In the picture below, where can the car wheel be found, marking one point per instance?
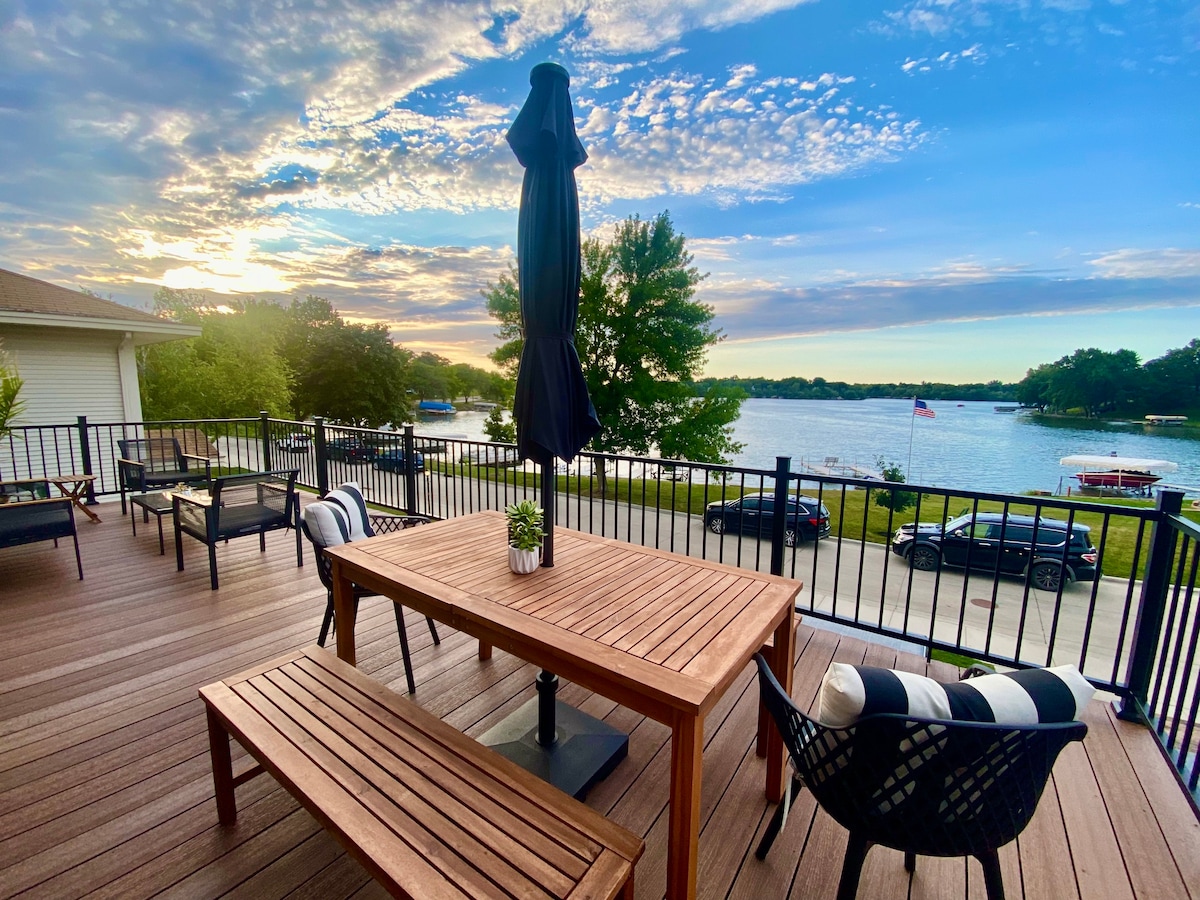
(1047, 576)
(716, 525)
(924, 558)
(789, 537)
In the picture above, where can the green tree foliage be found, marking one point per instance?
(233, 369)
(431, 377)
(504, 305)
(1034, 389)
(1173, 380)
(10, 390)
(641, 338)
(1095, 380)
(499, 428)
(897, 501)
(304, 360)
(353, 375)
(796, 388)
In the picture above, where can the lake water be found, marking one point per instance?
(967, 445)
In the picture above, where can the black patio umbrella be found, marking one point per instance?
(555, 417)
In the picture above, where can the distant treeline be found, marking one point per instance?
(820, 389)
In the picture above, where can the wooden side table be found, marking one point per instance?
(73, 486)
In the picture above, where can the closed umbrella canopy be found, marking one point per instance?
(554, 414)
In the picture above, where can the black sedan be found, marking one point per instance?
(351, 450)
(807, 517)
(393, 461)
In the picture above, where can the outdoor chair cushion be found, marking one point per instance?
(349, 497)
(1024, 697)
(327, 523)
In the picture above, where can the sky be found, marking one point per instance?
(941, 190)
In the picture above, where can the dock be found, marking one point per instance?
(833, 467)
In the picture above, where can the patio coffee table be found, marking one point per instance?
(662, 634)
(157, 502)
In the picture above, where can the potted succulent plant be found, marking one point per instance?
(525, 535)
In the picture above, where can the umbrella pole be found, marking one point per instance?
(547, 682)
(549, 502)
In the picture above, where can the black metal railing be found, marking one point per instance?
(1134, 631)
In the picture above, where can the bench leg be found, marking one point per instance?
(222, 766)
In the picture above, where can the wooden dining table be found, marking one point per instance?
(657, 632)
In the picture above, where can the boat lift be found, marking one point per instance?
(1122, 474)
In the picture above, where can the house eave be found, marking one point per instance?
(143, 332)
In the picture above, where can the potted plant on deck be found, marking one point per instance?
(525, 535)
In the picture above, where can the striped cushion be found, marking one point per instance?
(349, 497)
(1025, 697)
(327, 523)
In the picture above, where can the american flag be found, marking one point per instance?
(921, 409)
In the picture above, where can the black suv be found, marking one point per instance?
(807, 519)
(995, 542)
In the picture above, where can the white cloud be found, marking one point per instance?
(1168, 263)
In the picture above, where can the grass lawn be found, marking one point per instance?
(850, 511)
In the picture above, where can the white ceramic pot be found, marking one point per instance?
(523, 561)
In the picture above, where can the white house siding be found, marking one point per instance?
(66, 374)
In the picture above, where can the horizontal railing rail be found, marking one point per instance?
(1133, 630)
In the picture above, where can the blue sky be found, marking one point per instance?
(949, 190)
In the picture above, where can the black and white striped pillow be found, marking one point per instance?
(1025, 697)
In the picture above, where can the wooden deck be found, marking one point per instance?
(105, 786)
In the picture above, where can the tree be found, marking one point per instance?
(353, 375)
(896, 501)
(430, 377)
(10, 389)
(642, 339)
(1095, 380)
(1173, 380)
(233, 369)
(499, 429)
(1034, 389)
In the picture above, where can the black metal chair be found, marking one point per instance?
(239, 505)
(155, 464)
(380, 524)
(929, 787)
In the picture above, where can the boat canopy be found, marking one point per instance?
(435, 406)
(1119, 463)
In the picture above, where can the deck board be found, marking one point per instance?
(105, 788)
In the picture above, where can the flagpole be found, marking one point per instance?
(912, 424)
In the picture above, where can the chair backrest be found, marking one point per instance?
(257, 500)
(930, 786)
(348, 497)
(341, 517)
(159, 454)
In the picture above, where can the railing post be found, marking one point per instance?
(265, 418)
(1151, 607)
(322, 459)
(410, 472)
(85, 456)
(783, 466)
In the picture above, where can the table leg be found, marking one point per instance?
(76, 495)
(683, 833)
(344, 612)
(783, 664)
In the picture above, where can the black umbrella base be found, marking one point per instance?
(586, 752)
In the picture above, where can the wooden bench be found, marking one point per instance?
(428, 811)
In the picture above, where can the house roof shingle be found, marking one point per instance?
(30, 301)
(20, 293)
